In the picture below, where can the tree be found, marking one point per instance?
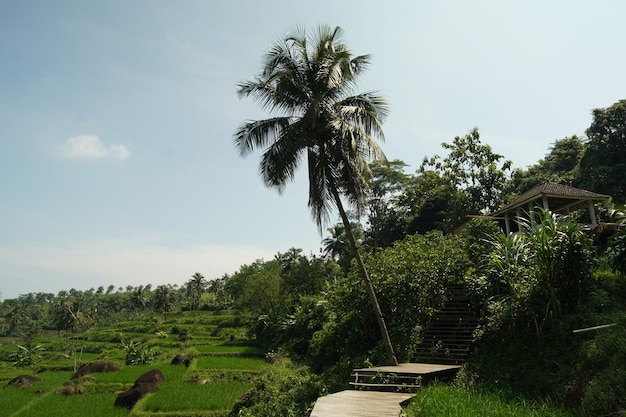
(431, 202)
(603, 164)
(337, 246)
(139, 298)
(386, 217)
(195, 287)
(559, 166)
(309, 87)
(15, 317)
(474, 169)
(163, 300)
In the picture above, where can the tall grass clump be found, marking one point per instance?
(451, 401)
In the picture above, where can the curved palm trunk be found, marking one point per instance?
(366, 279)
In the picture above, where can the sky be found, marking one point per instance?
(117, 164)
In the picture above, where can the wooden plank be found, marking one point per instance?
(386, 386)
(409, 368)
(360, 404)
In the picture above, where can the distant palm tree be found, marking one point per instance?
(14, 318)
(310, 87)
(196, 286)
(139, 298)
(163, 301)
(335, 246)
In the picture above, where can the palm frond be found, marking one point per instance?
(281, 159)
(260, 133)
(320, 198)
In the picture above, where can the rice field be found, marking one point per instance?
(221, 371)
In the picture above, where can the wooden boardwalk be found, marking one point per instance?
(357, 403)
(354, 403)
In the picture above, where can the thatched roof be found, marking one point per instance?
(560, 198)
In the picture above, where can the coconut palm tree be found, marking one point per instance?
(309, 87)
(195, 287)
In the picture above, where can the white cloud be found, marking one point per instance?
(91, 147)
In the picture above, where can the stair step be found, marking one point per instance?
(449, 336)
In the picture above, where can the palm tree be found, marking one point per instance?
(196, 286)
(309, 87)
(163, 301)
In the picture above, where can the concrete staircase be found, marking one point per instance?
(448, 338)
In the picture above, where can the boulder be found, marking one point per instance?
(181, 359)
(67, 390)
(146, 383)
(128, 399)
(23, 381)
(94, 367)
(153, 376)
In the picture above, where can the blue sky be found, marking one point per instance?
(116, 119)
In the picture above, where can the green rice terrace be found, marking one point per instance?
(216, 366)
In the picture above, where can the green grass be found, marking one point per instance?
(218, 395)
(57, 405)
(449, 401)
(232, 363)
(21, 401)
(239, 349)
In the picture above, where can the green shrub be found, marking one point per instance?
(283, 390)
(137, 353)
(599, 378)
(616, 253)
(532, 279)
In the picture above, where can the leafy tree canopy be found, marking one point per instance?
(603, 164)
(559, 166)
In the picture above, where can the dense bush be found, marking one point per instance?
(598, 380)
(531, 279)
(284, 390)
(410, 279)
(537, 287)
(616, 252)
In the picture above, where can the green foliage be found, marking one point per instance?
(137, 353)
(536, 276)
(27, 355)
(478, 235)
(559, 166)
(616, 253)
(603, 164)
(475, 170)
(410, 278)
(600, 375)
(194, 288)
(256, 287)
(431, 202)
(283, 390)
(387, 184)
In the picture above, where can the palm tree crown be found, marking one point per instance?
(309, 88)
